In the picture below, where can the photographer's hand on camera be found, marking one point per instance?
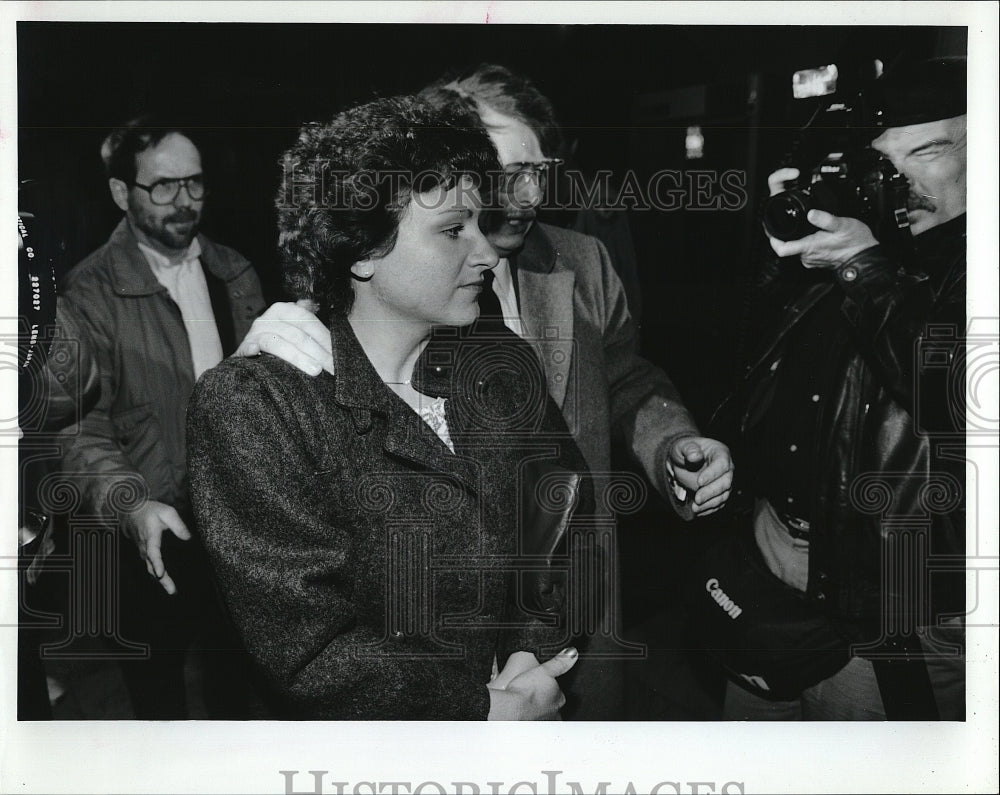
(838, 240)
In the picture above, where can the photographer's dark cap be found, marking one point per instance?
(917, 93)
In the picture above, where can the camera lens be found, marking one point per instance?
(785, 215)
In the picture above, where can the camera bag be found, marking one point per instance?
(769, 638)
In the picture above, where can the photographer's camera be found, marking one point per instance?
(839, 172)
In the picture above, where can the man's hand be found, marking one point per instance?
(146, 527)
(837, 240)
(293, 333)
(705, 468)
(525, 690)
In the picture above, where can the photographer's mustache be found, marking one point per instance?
(920, 201)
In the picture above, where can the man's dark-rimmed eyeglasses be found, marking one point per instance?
(537, 171)
(524, 183)
(165, 191)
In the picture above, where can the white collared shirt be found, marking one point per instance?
(185, 281)
(503, 286)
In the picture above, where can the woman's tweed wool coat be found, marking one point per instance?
(367, 567)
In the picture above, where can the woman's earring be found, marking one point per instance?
(363, 271)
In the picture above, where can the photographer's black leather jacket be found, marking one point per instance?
(887, 503)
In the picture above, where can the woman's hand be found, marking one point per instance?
(527, 690)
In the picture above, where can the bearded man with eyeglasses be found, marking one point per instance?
(162, 304)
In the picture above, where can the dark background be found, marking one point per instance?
(625, 95)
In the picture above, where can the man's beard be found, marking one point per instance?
(158, 228)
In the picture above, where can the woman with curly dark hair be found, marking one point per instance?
(363, 526)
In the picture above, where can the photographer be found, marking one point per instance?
(842, 435)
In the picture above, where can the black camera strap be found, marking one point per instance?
(896, 237)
